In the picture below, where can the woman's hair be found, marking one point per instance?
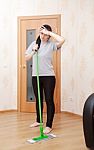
(47, 27)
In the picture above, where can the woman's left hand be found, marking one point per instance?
(44, 30)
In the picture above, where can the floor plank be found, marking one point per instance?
(14, 131)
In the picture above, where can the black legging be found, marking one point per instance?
(47, 83)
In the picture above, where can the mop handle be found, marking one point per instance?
(39, 101)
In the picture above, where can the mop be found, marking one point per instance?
(42, 135)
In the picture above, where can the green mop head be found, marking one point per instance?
(41, 138)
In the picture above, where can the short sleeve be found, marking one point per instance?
(29, 49)
(54, 46)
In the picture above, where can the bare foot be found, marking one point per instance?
(47, 130)
(35, 124)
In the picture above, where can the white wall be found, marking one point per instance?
(77, 53)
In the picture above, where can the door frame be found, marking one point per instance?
(19, 67)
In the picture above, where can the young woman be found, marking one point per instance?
(46, 72)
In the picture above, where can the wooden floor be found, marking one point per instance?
(14, 131)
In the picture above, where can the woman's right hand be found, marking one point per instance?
(35, 47)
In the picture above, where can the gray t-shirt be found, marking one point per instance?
(45, 56)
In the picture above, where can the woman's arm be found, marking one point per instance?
(28, 56)
(58, 38)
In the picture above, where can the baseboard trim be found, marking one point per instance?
(11, 110)
(70, 113)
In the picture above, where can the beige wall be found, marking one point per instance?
(77, 52)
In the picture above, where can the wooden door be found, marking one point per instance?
(28, 32)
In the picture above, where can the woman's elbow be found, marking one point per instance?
(59, 45)
(27, 57)
(63, 40)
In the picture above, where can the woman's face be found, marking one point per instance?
(44, 37)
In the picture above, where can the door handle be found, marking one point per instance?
(24, 66)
